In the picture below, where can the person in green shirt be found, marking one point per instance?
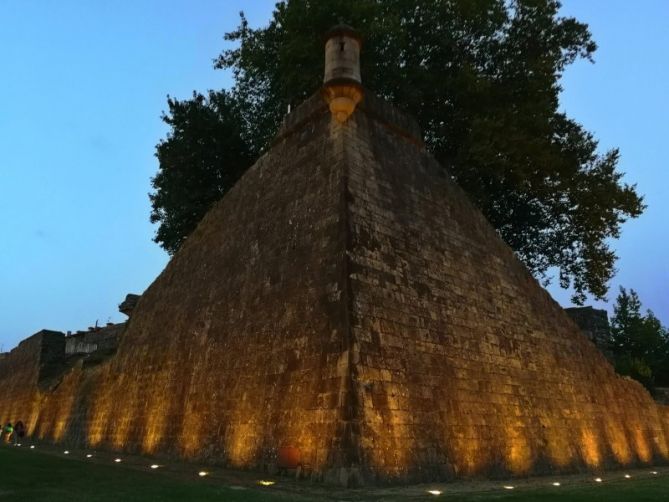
(9, 430)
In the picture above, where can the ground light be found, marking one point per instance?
(556, 484)
(88, 455)
(266, 483)
(434, 492)
(154, 466)
(32, 446)
(509, 487)
(66, 452)
(117, 460)
(653, 472)
(598, 480)
(627, 476)
(202, 473)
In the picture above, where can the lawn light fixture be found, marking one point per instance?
(264, 482)
(653, 472)
(556, 484)
(202, 473)
(88, 455)
(66, 452)
(509, 487)
(598, 480)
(117, 460)
(627, 476)
(154, 466)
(434, 492)
(32, 446)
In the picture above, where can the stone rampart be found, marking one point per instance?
(345, 300)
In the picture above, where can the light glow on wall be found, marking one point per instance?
(35, 409)
(641, 444)
(100, 410)
(617, 441)
(242, 444)
(519, 454)
(66, 392)
(590, 447)
(660, 442)
(155, 417)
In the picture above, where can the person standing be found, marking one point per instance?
(19, 431)
(9, 430)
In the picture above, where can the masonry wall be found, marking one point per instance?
(240, 345)
(466, 365)
(346, 299)
(24, 372)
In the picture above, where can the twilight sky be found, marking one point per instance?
(82, 89)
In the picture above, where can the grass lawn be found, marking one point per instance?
(31, 475)
(631, 491)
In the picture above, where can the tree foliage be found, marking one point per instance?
(640, 344)
(203, 156)
(483, 79)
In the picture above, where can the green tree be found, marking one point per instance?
(483, 79)
(640, 344)
(203, 156)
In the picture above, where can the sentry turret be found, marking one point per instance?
(342, 86)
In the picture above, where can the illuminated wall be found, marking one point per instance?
(346, 299)
(467, 366)
(238, 348)
(36, 359)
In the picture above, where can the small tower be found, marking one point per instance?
(342, 88)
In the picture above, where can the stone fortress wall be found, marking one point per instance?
(47, 355)
(346, 299)
(466, 365)
(33, 371)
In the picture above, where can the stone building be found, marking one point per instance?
(47, 355)
(346, 302)
(594, 324)
(104, 339)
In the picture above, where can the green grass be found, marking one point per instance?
(629, 491)
(33, 476)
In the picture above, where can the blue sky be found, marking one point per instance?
(82, 89)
